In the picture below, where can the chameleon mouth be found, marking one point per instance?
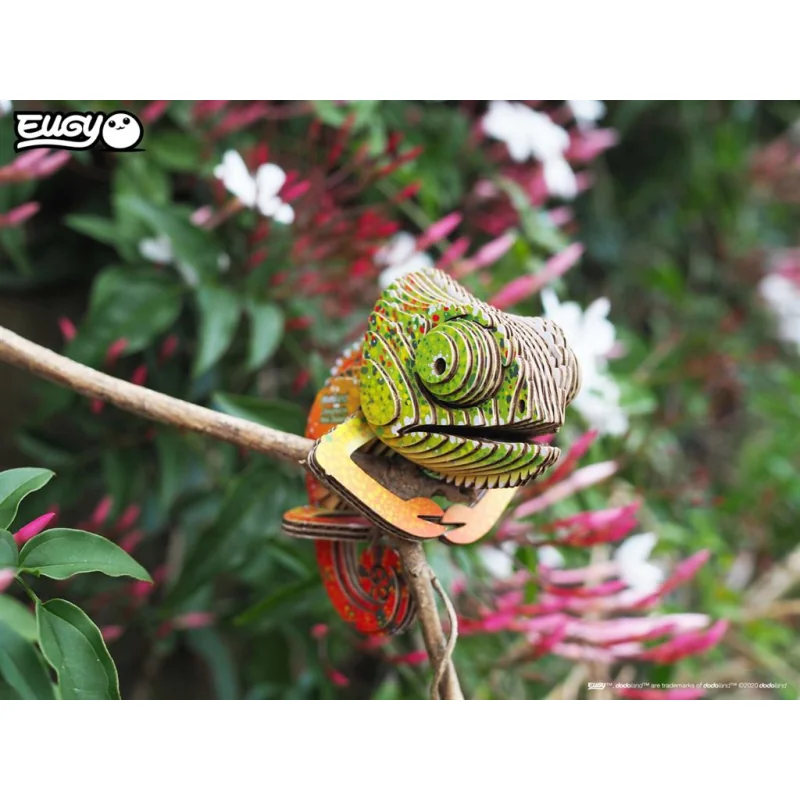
(488, 433)
(508, 459)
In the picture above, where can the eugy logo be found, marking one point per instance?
(594, 686)
(118, 131)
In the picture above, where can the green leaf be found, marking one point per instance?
(329, 112)
(536, 224)
(8, 551)
(140, 177)
(74, 648)
(175, 150)
(126, 303)
(39, 447)
(213, 649)
(16, 616)
(21, 666)
(219, 310)
(16, 484)
(280, 414)
(207, 557)
(173, 454)
(266, 330)
(193, 247)
(62, 552)
(281, 597)
(100, 228)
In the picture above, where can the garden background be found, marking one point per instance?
(231, 259)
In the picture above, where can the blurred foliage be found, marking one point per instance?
(247, 315)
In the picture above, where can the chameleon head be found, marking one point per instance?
(461, 388)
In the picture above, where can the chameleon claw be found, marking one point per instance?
(437, 519)
(470, 523)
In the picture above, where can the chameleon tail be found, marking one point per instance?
(368, 591)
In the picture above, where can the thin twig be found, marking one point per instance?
(452, 637)
(176, 413)
(774, 584)
(420, 580)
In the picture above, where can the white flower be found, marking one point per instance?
(550, 557)
(631, 558)
(499, 560)
(591, 336)
(782, 295)
(259, 191)
(399, 257)
(5, 107)
(586, 112)
(531, 134)
(159, 250)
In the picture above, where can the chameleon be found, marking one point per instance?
(451, 384)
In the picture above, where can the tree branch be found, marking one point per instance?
(176, 413)
(422, 581)
(146, 403)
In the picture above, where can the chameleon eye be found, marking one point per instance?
(459, 363)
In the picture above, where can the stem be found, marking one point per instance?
(421, 579)
(28, 590)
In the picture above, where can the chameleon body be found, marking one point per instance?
(451, 384)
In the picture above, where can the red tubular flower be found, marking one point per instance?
(683, 573)
(338, 679)
(129, 517)
(408, 191)
(111, 633)
(439, 230)
(295, 190)
(686, 644)
(587, 145)
(319, 631)
(101, 511)
(567, 464)
(7, 576)
(414, 658)
(528, 285)
(549, 641)
(404, 158)
(239, 118)
(18, 215)
(454, 252)
(581, 479)
(205, 108)
(32, 165)
(139, 590)
(155, 110)
(131, 540)
(488, 254)
(67, 328)
(32, 528)
(115, 350)
(192, 620)
(596, 527)
(139, 375)
(168, 348)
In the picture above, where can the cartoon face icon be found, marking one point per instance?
(122, 131)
